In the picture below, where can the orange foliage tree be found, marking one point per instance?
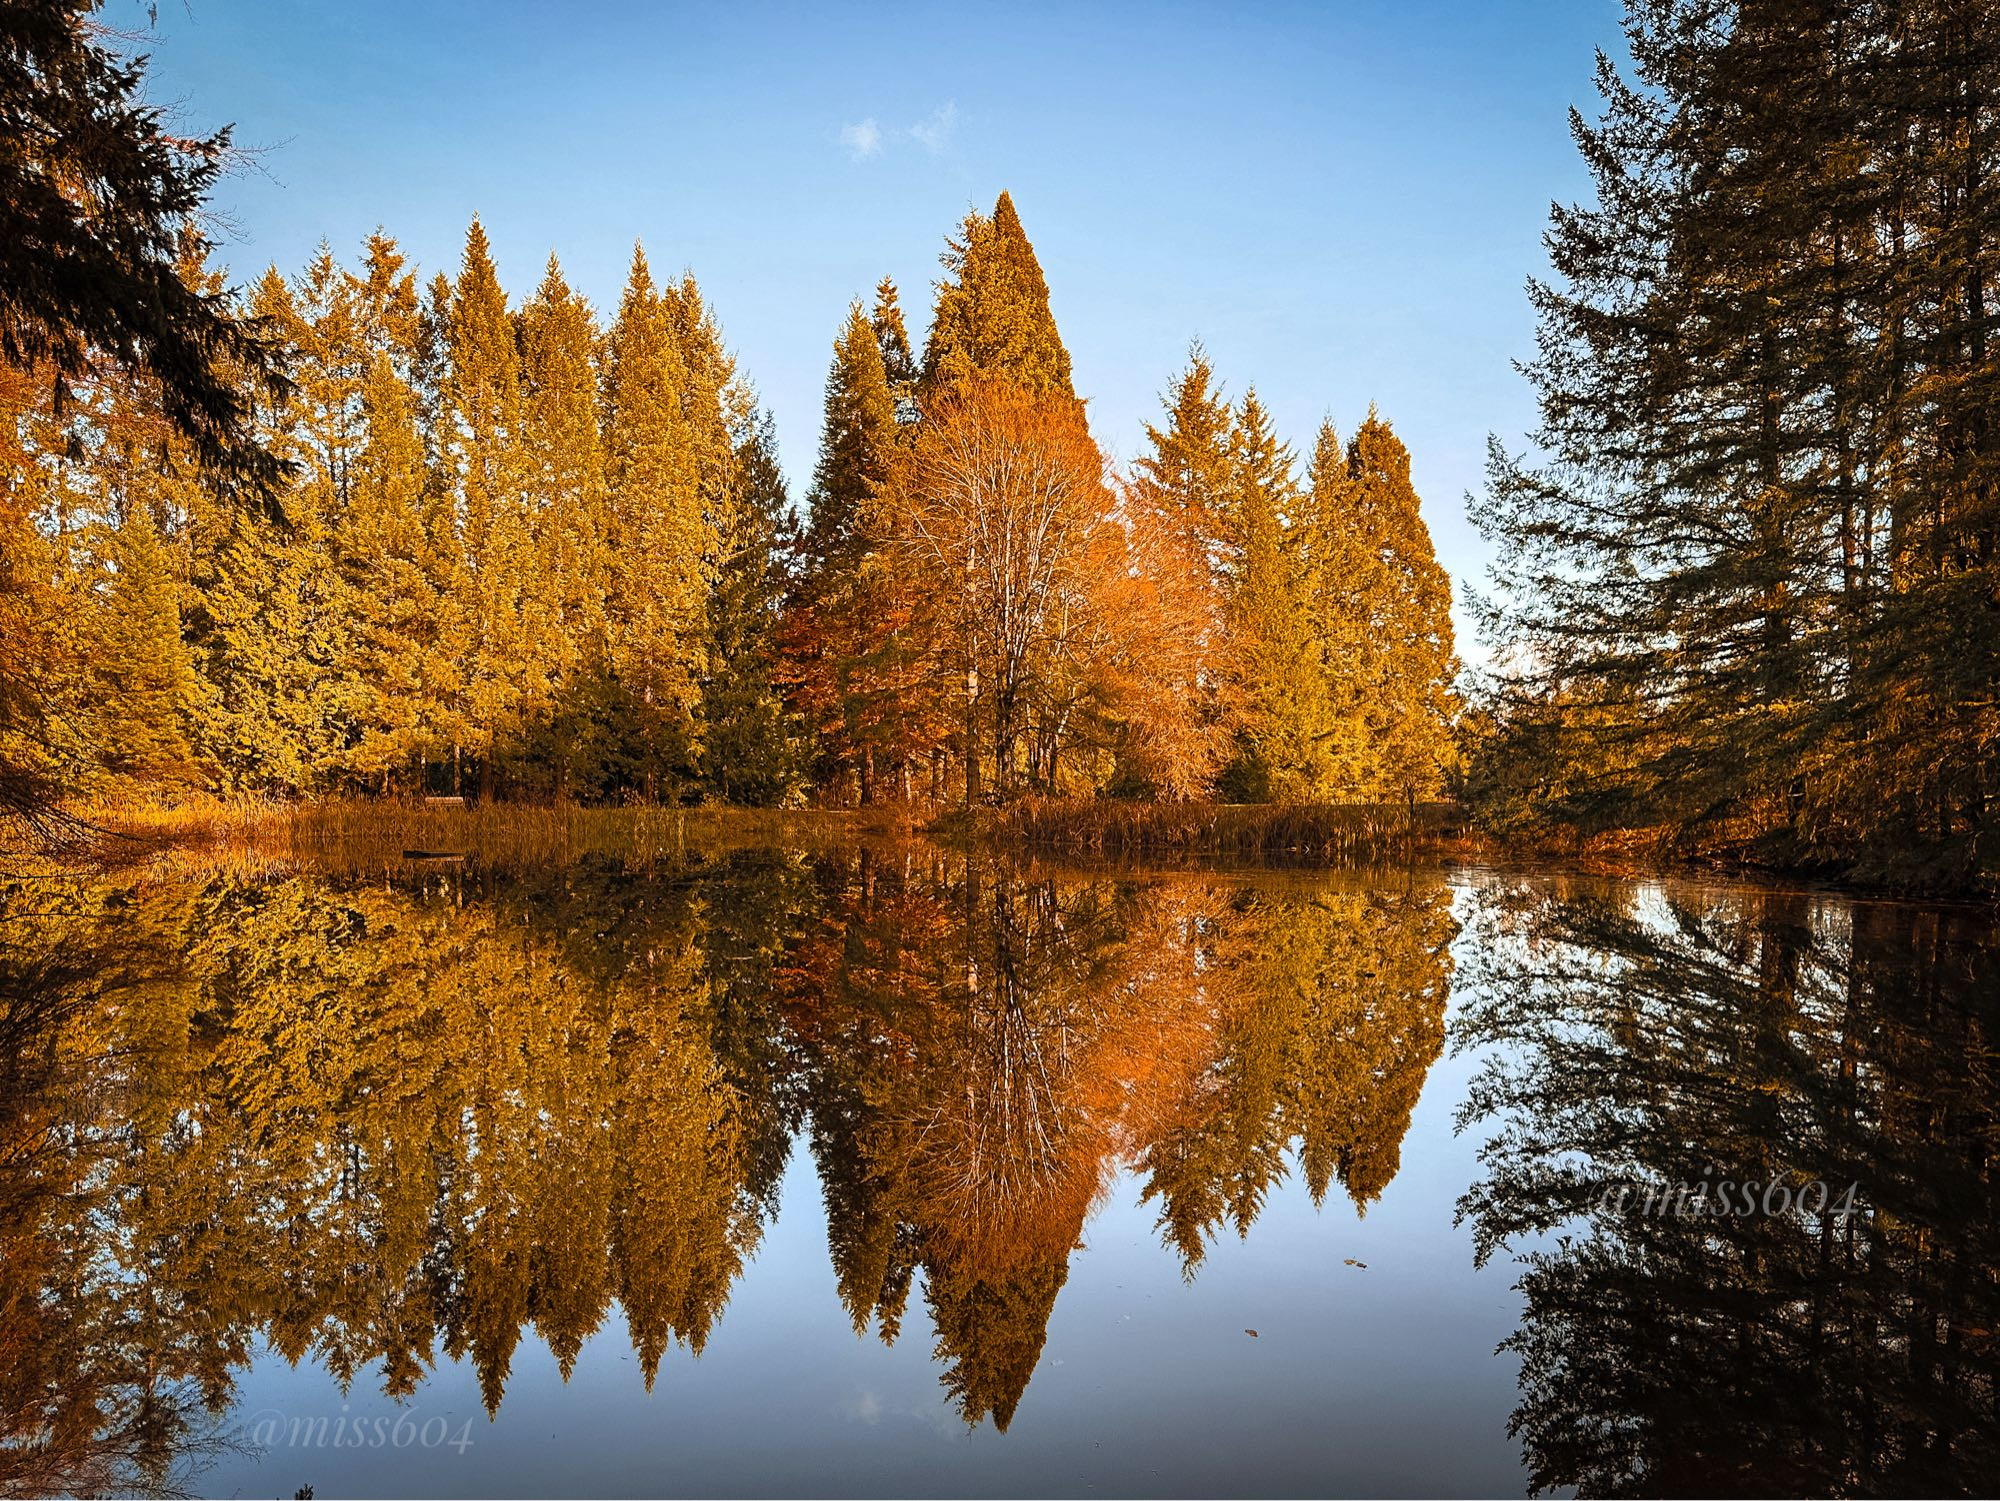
(995, 505)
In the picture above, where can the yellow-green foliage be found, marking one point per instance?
(524, 555)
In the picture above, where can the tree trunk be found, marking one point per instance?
(1004, 737)
(971, 736)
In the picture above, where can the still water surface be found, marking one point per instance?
(886, 1171)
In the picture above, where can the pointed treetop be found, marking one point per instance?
(478, 249)
(1198, 420)
(1376, 449)
(1329, 457)
(1188, 472)
(898, 362)
(1266, 460)
(639, 281)
(478, 285)
(856, 442)
(992, 316)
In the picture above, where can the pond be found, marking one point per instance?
(890, 1170)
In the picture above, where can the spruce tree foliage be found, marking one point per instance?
(1345, 575)
(714, 403)
(899, 364)
(269, 647)
(1279, 662)
(856, 445)
(750, 751)
(499, 678)
(1383, 606)
(1755, 554)
(97, 207)
(96, 198)
(143, 681)
(1179, 513)
(992, 313)
(656, 534)
(1189, 471)
(568, 522)
(397, 549)
(836, 635)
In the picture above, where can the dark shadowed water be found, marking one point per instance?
(886, 1171)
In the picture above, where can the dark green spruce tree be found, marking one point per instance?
(750, 745)
(1754, 559)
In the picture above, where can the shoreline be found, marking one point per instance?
(374, 833)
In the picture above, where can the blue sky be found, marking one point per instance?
(1343, 201)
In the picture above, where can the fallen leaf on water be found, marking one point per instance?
(1352, 1262)
(1252, 1333)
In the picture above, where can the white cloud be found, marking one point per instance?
(935, 133)
(862, 139)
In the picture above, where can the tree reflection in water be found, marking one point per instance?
(377, 1121)
(1647, 1038)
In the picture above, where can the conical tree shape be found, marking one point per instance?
(271, 629)
(1344, 574)
(856, 444)
(1286, 720)
(565, 460)
(318, 318)
(393, 541)
(1403, 604)
(748, 754)
(899, 364)
(484, 378)
(657, 533)
(384, 293)
(1189, 474)
(706, 398)
(497, 580)
(398, 547)
(992, 316)
(830, 627)
(991, 1330)
(430, 377)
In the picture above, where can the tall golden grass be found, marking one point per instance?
(356, 834)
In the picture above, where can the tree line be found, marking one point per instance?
(523, 550)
